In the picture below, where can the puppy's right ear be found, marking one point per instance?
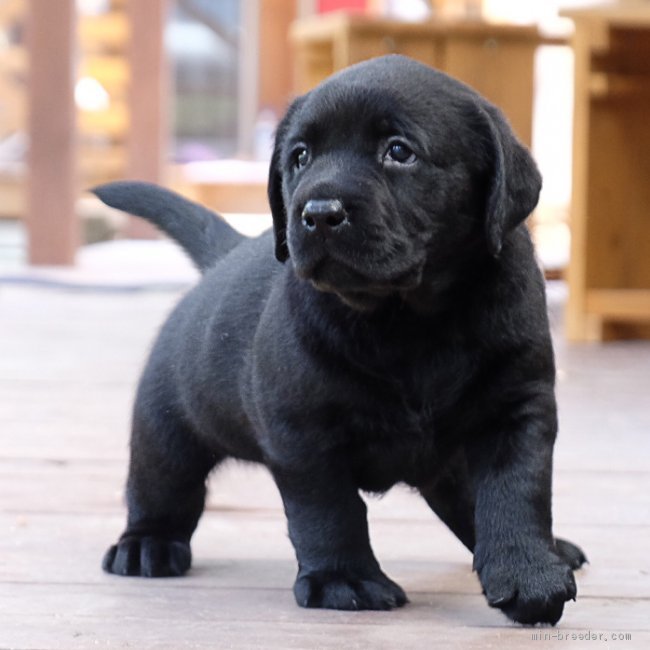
(275, 193)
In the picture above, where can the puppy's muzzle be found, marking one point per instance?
(324, 216)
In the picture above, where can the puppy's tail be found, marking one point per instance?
(203, 235)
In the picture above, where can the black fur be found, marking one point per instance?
(404, 339)
(204, 238)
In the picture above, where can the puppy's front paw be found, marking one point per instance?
(343, 590)
(529, 585)
(150, 557)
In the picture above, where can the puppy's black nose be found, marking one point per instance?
(324, 215)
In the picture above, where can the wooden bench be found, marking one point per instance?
(609, 271)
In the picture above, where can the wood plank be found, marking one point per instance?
(123, 610)
(625, 304)
(587, 38)
(618, 196)
(232, 197)
(119, 631)
(52, 226)
(274, 55)
(40, 486)
(104, 32)
(489, 64)
(248, 550)
(629, 13)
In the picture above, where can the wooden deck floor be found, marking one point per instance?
(68, 364)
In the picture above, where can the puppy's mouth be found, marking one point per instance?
(357, 288)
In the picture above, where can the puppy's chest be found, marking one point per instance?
(408, 418)
(425, 382)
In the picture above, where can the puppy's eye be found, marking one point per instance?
(300, 156)
(400, 153)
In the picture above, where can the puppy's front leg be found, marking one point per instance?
(515, 553)
(329, 531)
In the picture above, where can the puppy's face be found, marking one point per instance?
(388, 174)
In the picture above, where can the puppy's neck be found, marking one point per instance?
(448, 286)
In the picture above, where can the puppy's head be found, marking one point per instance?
(388, 174)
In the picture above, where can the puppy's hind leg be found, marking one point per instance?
(165, 496)
(573, 555)
(451, 497)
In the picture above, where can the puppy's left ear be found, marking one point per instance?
(276, 198)
(515, 183)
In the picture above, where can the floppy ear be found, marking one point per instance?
(276, 198)
(513, 189)
(276, 201)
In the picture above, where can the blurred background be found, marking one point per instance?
(187, 93)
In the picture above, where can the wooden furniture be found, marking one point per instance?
(99, 53)
(103, 41)
(134, 123)
(146, 140)
(13, 114)
(235, 186)
(497, 60)
(609, 271)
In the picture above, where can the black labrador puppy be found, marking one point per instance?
(399, 334)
